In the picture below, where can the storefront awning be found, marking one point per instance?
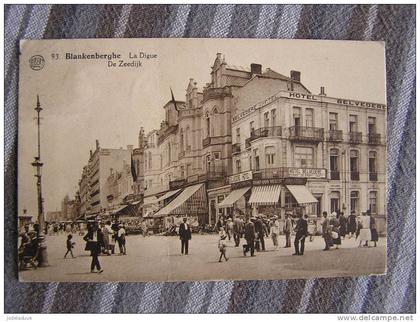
(265, 195)
(301, 194)
(192, 200)
(234, 196)
(168, 195)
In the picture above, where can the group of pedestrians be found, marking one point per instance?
(336, 227)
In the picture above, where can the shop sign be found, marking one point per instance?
(243, 176)
(307, 173)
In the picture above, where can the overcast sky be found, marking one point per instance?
(85, 100)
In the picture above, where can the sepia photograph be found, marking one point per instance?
(201, 159)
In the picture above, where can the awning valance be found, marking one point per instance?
(191, 201)
(168, 195)
(234, 196)
(301, 194)
(265, 195)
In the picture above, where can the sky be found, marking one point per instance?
(85, 100)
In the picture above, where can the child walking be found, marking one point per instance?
(222, 245)
(69, 245)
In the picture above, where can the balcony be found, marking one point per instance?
(248, 143)
(335, 175)
(354, 175)
(212, 176)
(373, 176)
(288, 172)
(374, 138)
(236, 148)
(213, 140)
(355, 137)
(305, 133)
(335, 136)
(266, 132)
(215, 93)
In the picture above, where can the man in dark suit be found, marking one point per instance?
(95, 241)
(185, 236)
(260, 230)
(301, 233)
(249, 234)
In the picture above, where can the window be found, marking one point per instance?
(251, 127)
(354, 165)
(335, 201)
(238, 135)
(238, 166)
(371, 125)
(373, 176)
(216, 155)
(304, 157)
(333, 121)
(181, 139)
(373, 202)
(169, 152)
(208, 124)
(309, 117)
(187, 143)
(354, 201)
(256, 160)
(296, 116)
(182, 172)
(353, 123)
(273, 117)
(150, 160)
(269, 155)
(188, 169)
(266, 119)
(334, 161)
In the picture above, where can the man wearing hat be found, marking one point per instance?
(249, 234)
(287, 229)
(261, 231)
(184, 236)
(301, 233)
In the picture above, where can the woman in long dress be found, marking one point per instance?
(352, 224)
(364, 234)
(373, 230)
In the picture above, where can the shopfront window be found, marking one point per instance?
(304, 157)
(354, 201)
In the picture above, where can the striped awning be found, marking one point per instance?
(168, 195)
(265, 195)
(301, 194)
(234, 196)
(191, 201)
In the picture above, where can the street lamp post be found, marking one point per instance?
(37, 164)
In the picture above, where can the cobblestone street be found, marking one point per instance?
(158, 258)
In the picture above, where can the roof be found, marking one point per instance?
(240, 68)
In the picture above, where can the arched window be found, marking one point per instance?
(334, 164)
(335, 201)
(373, 175)
(354, 165)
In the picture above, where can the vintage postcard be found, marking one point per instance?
(201, 159)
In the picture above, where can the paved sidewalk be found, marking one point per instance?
(157, 258)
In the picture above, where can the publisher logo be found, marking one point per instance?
(37, 62)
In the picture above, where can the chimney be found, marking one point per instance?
(322, 93)
(256, 69)
(295, 75)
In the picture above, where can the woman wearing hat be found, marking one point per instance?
(364, 235)
(275, 231)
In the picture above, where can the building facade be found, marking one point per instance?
(93, 184)
(328, 152)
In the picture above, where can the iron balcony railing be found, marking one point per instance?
(355, 137)
(306, 133)
(288, 172)
(266, 132)
(335, 135)
(354, 175)
(335, 175)
(374, 138)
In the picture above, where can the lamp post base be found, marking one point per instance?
(42, 254)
